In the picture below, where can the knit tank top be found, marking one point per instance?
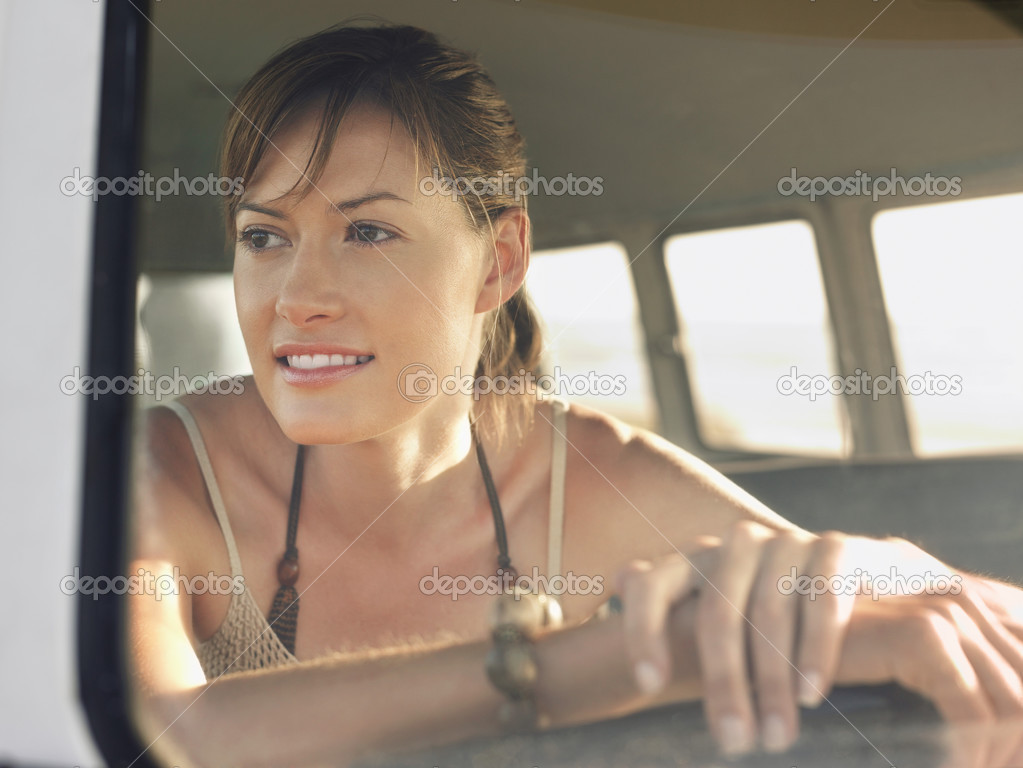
(245, 640)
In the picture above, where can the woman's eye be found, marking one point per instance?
(368, 234)
(260, 239)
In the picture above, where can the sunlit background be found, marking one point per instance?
(952, 275)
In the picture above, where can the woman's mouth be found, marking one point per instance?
(320, 369)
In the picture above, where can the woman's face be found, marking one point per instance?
(341, 290)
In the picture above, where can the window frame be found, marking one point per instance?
(851, 338)
(863, 336)
(102, 643)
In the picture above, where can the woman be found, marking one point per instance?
(342, 480)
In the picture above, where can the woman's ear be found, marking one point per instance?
(509, 259)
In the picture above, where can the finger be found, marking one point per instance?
(919, 650)
(998, 682)
(1016, 629)
(983, 745)
(932, 662)
(1005, 599)
(997, 631)
(1016, 758)
(721, 640)
(997, 677)
(825, 618)
(772, 640)
(966, 747)
(648, 592)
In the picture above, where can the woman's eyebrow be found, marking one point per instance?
(341, 207)
(257, 208)
(349, 205)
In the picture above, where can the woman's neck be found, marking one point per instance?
(413, 478)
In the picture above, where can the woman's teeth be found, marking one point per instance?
(326, 361)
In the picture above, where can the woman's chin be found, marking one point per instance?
(318, 423)
(307, 433)
(350, 420)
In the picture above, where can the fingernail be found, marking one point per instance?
(734, 736)
(809, 689)
(649, 678)
(776, 738)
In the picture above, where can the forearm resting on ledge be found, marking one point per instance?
(341, 709)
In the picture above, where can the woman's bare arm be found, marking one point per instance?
(342, 708)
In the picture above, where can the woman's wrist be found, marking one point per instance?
(585, 673)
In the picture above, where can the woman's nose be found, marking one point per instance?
(311, 291)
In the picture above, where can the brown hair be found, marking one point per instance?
(452, 110)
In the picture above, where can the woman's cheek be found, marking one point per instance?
(255, 310)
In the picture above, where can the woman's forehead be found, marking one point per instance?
(372, 150)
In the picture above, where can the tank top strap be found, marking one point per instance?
(559, 452)
(199, 446)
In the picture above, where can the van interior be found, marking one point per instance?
(725, 254)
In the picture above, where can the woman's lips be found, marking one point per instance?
(320, 369)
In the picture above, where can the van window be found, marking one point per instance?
(594, 337)
(952, 278)
(752, 312)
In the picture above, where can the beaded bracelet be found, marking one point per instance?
(511, 665)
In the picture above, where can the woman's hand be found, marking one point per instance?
(786, 614)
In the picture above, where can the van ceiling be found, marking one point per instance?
(676, 105)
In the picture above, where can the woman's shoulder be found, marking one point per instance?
(173, 501)
(607, 461)
(629, 490)
(618, 449)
